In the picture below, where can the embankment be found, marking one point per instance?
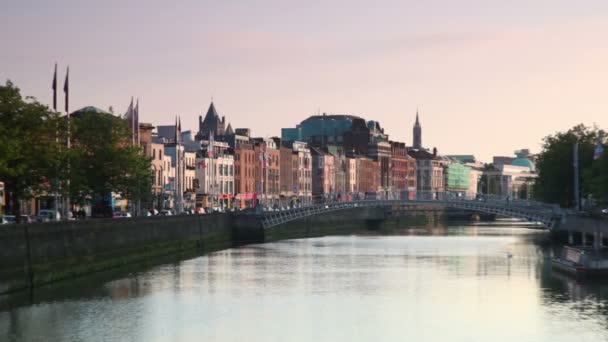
(36, 254)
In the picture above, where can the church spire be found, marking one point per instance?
(417, 143)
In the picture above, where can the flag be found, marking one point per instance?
(129, 113)
(175, 139)
(210, 147)
(599, 147)
(54, 86)
(130, 116)
(136, 123)
(66, 89)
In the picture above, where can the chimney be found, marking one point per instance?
(434, 152)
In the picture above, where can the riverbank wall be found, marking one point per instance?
(35, 254)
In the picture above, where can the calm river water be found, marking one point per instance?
(461, 283)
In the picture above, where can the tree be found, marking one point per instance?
(597, 178)
(555, 182)
(30, 146)
(103, 161)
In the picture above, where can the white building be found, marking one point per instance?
(214, 174)
(303, 189)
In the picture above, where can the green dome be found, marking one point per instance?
(524, 162)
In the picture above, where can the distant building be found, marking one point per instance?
(509, 180)
(475, 175)
(340, 168)
(463, 158)
(155, 152)
(267, 170)
(417, 137)
(457, 178)
(380, 151)
(402, 172)
(320, 130)
(323, 174)
(211, 123)
(215, 174)
(351, 175)
(502, 160)
(244, 174)
(429, 173)
(367, 177)
(302, 171)
(522, 158)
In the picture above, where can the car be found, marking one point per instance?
(8, 219)
(27, 219)
(165, 213)
(199, 210)
(121, 214)
(605, 211)
(46, 215)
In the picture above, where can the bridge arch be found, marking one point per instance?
(549, 216)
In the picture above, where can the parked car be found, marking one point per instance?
(165, 213)
(46, 215)
(121, 214)
(605, 211)
(27, 219)
(7, 219)
(199, 210)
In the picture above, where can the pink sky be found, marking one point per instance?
(489, 76)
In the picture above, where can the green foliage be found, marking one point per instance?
(597, 178)
(104, 161)
(30, 152)
(34, 158)
(555, 183)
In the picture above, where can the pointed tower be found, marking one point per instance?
(229, 130)
(417, 143)
(211, 122)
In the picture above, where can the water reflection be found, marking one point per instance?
(463, 283)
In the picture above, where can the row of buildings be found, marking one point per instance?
(325, 157)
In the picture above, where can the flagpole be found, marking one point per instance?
(56, 182)
(577, 198)
(66, 89)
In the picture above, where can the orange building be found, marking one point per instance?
(244, 175)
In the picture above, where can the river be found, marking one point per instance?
(458, 283)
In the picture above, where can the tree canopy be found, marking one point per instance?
(103, 159)
(555, 183)
(34, 157)
(30, 144)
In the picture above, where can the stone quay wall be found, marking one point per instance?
(41, 253)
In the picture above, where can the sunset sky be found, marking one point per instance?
(488, 76)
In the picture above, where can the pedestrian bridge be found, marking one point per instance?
(549, 216)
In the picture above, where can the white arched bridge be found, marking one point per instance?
(547, 215)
